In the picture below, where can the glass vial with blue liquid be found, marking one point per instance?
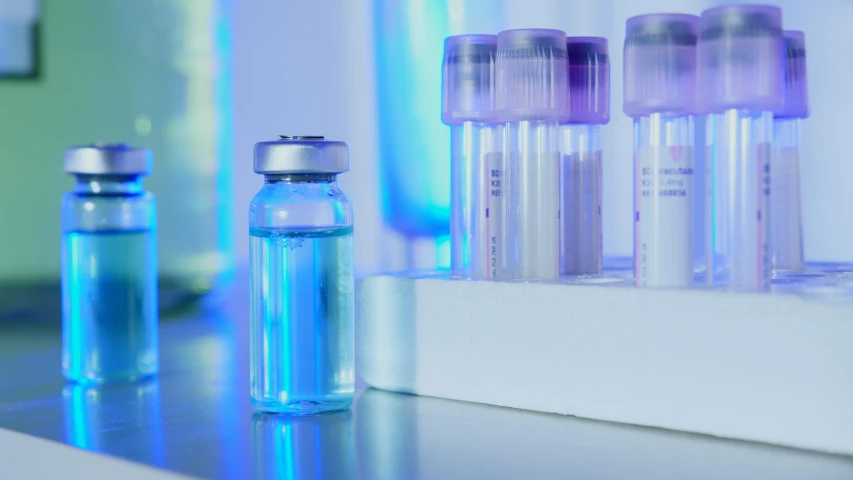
(109, 266)
(301, 279)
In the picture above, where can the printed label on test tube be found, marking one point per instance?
(494, 214)
(663, 228)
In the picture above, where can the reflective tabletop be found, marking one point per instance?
(196, 419)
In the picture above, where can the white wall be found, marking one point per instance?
(308, 68)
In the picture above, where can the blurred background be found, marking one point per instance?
(200, 81)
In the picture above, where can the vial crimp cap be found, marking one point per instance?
(660, 64)
(796, 85)
(589, 80)
(107, 159)
(741, 59)
(531, 78)
(301, 155)
(468, 78)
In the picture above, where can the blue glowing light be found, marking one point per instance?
(414, 144)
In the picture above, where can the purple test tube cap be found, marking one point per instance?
(660, 64)
(531, 77)
(796, 86)
(589, 80)
(741, 58)
(467, 84)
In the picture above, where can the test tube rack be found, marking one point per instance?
(767, 367)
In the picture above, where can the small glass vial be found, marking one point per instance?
(109, 267)
(301, 278)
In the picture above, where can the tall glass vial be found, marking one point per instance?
(109, 266)
(476, 161)
(786, 221)
(580, 149)
(660, 86)
(301, 278)
(740, 84)
(530, 97)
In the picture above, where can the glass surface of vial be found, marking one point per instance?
(109, 280)
(740, 232)
(533, 200)
(478, 201)
(301, 295)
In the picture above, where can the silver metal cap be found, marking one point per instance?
(301, 154)
(108, 159)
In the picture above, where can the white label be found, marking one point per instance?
(663, 220)
(493, 214)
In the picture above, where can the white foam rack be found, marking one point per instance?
(767, 367)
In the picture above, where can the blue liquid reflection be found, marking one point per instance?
(118, 419)
(304, 447)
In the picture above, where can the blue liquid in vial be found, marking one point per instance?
(301, 326)
(109, 291)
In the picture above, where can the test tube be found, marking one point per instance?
(740, 85)
(580, 147)
(786, 223)
(659, 94)
(530, 99)
(476, 161)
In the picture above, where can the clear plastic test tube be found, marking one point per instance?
(786, 222)
(580, 148)
(659, 94)
(741, 84)
(530, 98)
(476, 161)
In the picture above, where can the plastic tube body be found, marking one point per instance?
(580, 200)
(739, 232)
(477, 207)
(663, 200)
(533, 240)
(786, 221)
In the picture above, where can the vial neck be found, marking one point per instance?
(108, 185)
(301, 178)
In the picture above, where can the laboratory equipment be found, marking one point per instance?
(786, 221)
(476, 161)
(740, 85)
(659, 94)
(531, 89)
(155, 73)
(301, 278)
(109, 266)
(580, 149)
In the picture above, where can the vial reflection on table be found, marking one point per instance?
(297, 447)
(121, 419)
